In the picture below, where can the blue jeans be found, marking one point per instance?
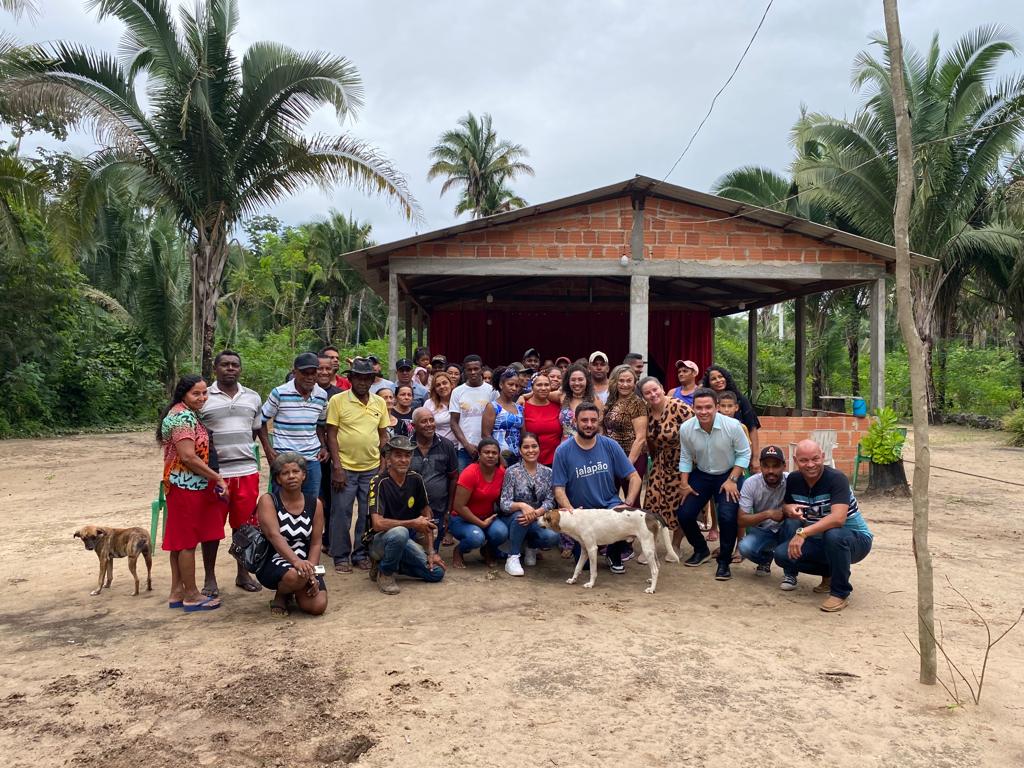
(356, 490)
(464, 458)
(534, 536)
(708, 488)
(472, 536)
(758, 545)
(312, 482)
(397, 552)
(830, 554)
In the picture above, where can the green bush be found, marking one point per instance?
(1013, 424)
(883, 442)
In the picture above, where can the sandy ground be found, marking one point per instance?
(486, 670)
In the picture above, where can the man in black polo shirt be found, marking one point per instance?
(437, 463)
(399, 513)
(824, 531)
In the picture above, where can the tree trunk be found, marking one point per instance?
(888, 480)
(209, 259)
(916, 349)
(853, 352)
(1018, 325)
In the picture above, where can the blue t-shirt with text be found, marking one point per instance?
(589, 477)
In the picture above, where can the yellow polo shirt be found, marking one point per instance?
(358, 439)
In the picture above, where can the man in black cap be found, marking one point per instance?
(298, 409)
(438, 363)
(761, 512)
(403, 374)
(399, 515)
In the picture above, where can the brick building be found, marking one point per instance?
(639, 266)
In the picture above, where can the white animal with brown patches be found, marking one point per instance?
(594, 527)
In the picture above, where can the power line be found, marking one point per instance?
(720, 90)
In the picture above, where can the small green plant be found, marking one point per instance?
(883, 442)
(1013, 424)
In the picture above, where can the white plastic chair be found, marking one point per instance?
(826, 438)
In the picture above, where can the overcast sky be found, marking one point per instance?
(597, 91)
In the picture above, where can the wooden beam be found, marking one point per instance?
(720, 270)
(392, 320)
(751, 354)
(408, 326)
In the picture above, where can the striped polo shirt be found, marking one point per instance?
(296, 418)
(231, 422)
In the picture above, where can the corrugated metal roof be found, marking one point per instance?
(654, 188)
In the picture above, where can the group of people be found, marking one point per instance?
(382, 473)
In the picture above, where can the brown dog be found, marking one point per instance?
(109, 543)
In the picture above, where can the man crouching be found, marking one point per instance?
(399, 514)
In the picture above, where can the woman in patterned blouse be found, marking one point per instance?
(192, 489)
(526, 494)
(625, 417)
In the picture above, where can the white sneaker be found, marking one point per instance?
(788, 583)
(530, 557)
(512, 566)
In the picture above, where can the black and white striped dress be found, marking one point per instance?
(297, 530)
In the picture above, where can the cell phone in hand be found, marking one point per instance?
(319, 570)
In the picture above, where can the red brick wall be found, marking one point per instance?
(672, 230)
(783, 430)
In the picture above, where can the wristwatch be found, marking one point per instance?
(800, 532)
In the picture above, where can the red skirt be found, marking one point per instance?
(192, 517)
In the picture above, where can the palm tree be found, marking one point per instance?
(327, 240)
(963, 123)
(472, 159)
(221, 139)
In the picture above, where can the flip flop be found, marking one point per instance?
(210, 592)
(176, 604)
(249, 587)
(203, 606)
(278, 612)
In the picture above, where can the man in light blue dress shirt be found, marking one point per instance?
(714, 452)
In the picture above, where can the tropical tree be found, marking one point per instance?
(219, 139)
(471, 159)
(963, 123)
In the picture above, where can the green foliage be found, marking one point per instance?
(883, 442)
(1013, 423)
(266, 361)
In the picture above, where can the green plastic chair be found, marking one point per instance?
(861, 457)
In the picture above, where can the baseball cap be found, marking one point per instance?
(439, 360)
(399, 443)
(531, 352)
(687, 364)
(306, 360)
(517, 367)
(597, 354)
(373, 359)
(772, 452)
(403, 362)
(563, 357)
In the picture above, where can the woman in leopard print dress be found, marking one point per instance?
(665, 416)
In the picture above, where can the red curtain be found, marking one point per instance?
(501, 336)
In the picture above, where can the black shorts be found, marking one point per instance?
(271, 573)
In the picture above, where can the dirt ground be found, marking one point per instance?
(483, 669)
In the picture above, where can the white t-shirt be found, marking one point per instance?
(442, 421)
(469, 402)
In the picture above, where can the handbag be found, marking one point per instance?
(249, 547)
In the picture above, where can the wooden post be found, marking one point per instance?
(751, 354)
(877, 344)
(800, 346)
(420, 319)
(392, 320)
(408, 327)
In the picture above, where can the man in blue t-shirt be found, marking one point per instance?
(586, 474)
(824, 530)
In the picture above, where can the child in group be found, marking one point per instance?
(728, 405)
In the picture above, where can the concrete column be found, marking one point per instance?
(420, 320)
(800, 366)
(392, 320)
(751, 354)
(636, 237)
(877, 344)
(639, 315)
(408, 328)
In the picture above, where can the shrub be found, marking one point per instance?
(883, 442)
(1013, 423)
